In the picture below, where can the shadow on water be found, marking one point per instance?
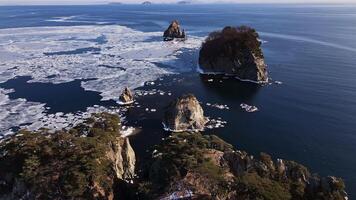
(64, 97)
(230, 88)
(93, 50)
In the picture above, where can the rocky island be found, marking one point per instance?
(174, 32)
(126, 97)
(184, 114)
(146, 3)
(234, 51)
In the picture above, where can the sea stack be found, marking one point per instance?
(184, 114)
(126, 97)
(234, 51)
(174, 32)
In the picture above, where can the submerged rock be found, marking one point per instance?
(184, 114)
(234, 51)
(174, 31)
(126, 97)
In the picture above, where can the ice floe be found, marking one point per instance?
(127, 131)
(218, 106)
(17, 112)
(210, 124)
(62, 54)
(248, 108)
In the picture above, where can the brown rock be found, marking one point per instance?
(126, 97)
(173, 31)
(184, 114)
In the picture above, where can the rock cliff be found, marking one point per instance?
(85, 162)
(184, 114)
(234, 51)
(94, 161)
(206, 167)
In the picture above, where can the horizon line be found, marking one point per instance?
(176, 3)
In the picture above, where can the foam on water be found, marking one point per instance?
(132, 59)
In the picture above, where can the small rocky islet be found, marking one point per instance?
(234, 51)
(94, 159)
(174, 32)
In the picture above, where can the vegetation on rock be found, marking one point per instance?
(234, 51)
(65, 165)
(91, 161)
(211, 169)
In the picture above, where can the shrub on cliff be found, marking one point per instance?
(208, 167)
(234, 51)
(230, 41)
(63, 165)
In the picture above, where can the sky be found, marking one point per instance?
(51, 2)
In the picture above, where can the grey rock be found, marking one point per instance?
(184, 114)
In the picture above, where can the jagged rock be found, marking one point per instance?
(123, 158)
(211, 169)
(184, 114)
(234, 51)
(126, 97)
(174, 31)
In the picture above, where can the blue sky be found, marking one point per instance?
(12, 2)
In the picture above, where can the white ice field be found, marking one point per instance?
(111, 56)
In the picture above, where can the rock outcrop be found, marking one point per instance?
(94, 161)
(174, 32)
(123, 158)
(126, 97)
(86, 162)
(234, 51)
(206, 167)
(184, 114)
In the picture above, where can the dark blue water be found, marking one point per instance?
(310, 118)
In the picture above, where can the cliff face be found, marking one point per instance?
(184, 114)
(93, 161)
(85, 162)
(122, 157)
(205, 167)
(236, 52)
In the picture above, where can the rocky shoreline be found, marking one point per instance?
(94, 160)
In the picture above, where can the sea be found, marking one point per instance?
(59, 64)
